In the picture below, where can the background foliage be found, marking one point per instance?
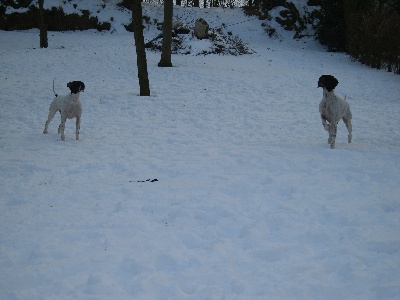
(368, 30)
(373, 33)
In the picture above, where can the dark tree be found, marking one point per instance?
(143, 76)
(331, 29)
(167, 34)
(42, 27)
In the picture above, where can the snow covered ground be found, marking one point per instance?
(249, 202)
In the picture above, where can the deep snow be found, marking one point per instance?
(250, 202)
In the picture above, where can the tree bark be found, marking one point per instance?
(143, 76)
(167, 34)
(42, 27)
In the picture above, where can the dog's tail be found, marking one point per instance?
(55, 94)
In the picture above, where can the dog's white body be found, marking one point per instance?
(69, 107)
(333, 109)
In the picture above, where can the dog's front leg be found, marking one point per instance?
(324, 123)
(332, 135)
(78, 127)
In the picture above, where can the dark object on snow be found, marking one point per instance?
(201, 29)
(147, 180)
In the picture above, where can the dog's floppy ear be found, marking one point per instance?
(73, 87)
(328, 81)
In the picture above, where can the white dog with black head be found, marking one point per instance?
(333, 109)
(69, 106)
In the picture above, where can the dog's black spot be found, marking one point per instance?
(328, 82)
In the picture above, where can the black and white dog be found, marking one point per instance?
(69, 107)
(333, 109)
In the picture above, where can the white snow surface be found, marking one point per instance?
(249, 202)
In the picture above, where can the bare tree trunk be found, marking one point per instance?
(167, 34)
(143, 76)
(43, 27)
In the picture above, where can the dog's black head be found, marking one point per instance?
(327, 81)
(76, 86)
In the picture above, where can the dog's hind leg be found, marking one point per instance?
(49, 118)
(349, 128)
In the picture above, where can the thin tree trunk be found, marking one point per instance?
(167, 34)
(43, 27)
(143, 76)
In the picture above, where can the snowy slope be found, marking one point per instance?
(249, 202)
